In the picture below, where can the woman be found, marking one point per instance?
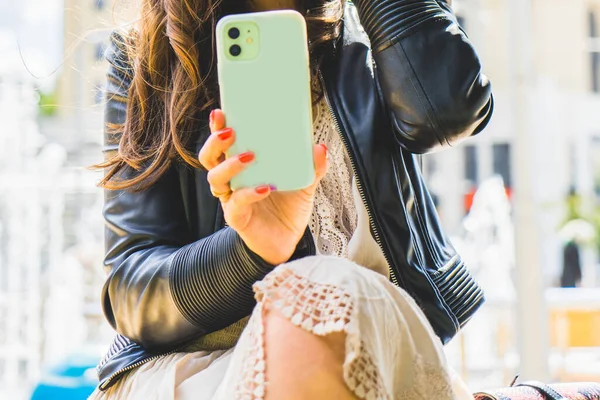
(213, 292)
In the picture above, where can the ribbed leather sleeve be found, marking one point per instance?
(428, 71)
(460, 291)
(212, 279)
(386, 21)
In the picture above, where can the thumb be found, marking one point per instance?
(321, 161)
(321, 164)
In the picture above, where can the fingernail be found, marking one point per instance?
(211, 117)
(263, 189)
(247, 157)
(225, 134)
(324, 146)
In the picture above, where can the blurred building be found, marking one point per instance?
(564, 123)
(20, 270)
(51, 225)
(76, 123)
(32, 267)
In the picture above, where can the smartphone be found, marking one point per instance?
(264, 79)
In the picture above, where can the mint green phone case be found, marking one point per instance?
(266, 97)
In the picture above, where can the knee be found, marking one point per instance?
(318, 304)
(282, 334)
(301, 360)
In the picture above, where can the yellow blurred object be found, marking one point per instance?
(574, 328)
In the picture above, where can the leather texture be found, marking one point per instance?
(176, 272)
(540, 391)
(429, 73)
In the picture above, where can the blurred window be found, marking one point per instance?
(501, 160)
(471, 173)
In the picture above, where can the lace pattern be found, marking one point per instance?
(320, 309)
(431, 382)
(363, 378)
(317, 308)
(334, 217)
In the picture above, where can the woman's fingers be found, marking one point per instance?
(216, 120)
(213, 151)
(221, 171)
(220, 140)
(241, 199)
(219, 176)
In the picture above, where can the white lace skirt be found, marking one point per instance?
(391, 350)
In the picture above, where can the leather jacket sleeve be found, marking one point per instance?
(428, 71)
(163, 286)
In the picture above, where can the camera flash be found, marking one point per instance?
(249, 40)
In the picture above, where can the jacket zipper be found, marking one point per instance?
(359, 186)
(104, 385)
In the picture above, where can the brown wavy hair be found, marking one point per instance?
(174, 84)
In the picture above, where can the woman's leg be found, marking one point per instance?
(301, 365)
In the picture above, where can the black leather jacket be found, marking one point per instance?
(176, 272)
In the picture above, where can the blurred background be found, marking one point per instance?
(521, 201)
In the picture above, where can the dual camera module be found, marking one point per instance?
(234, 50)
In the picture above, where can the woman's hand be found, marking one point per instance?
(270, 223)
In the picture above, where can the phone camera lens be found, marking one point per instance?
(235, 50)
(234, 33)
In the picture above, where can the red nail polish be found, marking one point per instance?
(211, 117)
(225, 134)
(263, 189)
(247, 157)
